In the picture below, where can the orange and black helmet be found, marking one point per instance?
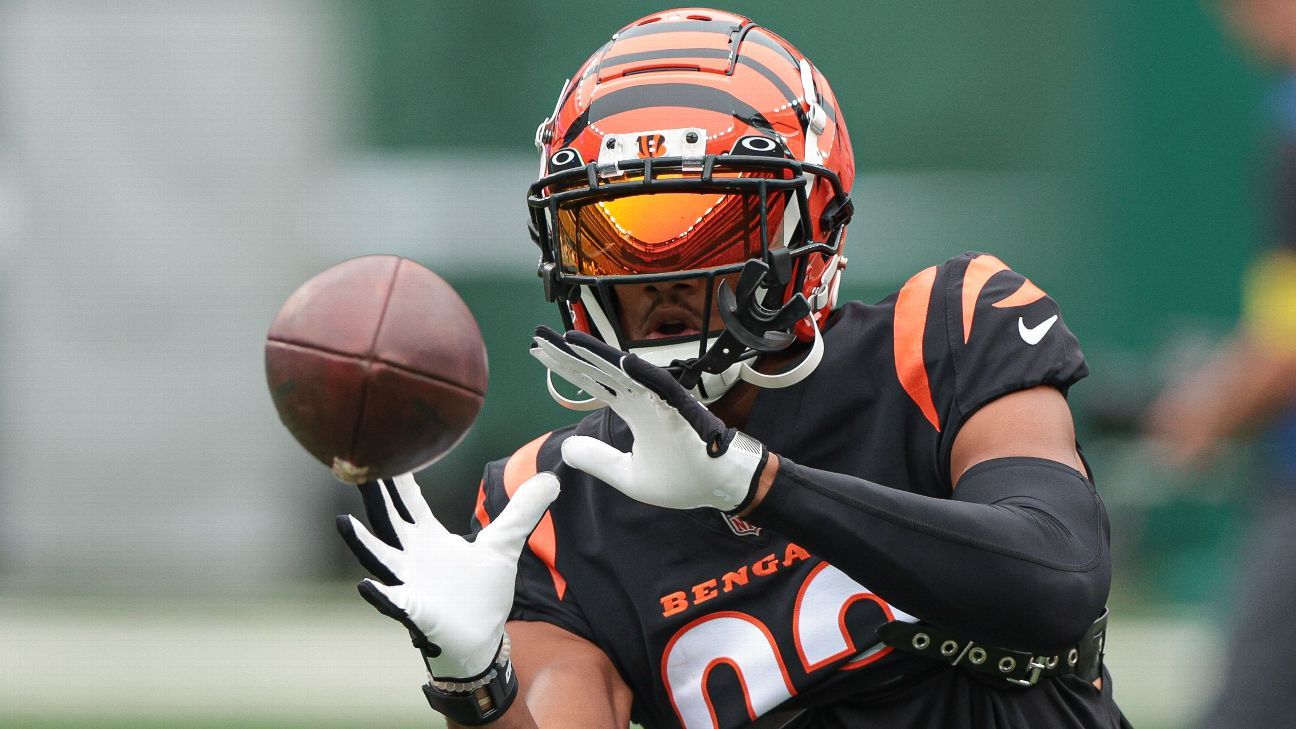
(691, 143)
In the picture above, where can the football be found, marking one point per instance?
(376, 366)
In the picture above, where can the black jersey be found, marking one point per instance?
(712, 621)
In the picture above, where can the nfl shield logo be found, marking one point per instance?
(742, 527)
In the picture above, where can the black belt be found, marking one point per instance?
(1019, 668)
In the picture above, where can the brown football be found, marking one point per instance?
(376, 366)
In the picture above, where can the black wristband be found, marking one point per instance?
(483, 704)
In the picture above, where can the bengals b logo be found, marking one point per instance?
(651, 145)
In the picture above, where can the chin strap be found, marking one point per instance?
(580, 406)
(714, 386)
(709, 389)
(755, 321)
(789, 377)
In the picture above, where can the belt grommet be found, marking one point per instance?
(1007, 664)
(949, 648)
(1073, 657)
(921, 641)
(1051, 663)
(977, 656)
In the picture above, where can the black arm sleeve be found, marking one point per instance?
(1016, 558)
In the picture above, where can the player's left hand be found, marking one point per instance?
(452, 594)
(683, 457)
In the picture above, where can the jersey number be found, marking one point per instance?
(745, 645)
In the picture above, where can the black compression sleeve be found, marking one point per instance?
(1017, 558)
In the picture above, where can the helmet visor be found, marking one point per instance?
(665, 232)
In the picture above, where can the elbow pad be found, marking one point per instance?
(1017, 557)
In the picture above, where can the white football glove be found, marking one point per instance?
(683, 457)
(453, 594)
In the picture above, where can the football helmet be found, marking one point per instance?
(696, 146)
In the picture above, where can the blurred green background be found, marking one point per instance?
(1111, 151)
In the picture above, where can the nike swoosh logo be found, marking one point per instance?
(1033, 335)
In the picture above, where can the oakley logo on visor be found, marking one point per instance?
(565, 159)
(759, 147)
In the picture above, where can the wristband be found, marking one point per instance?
(477, 700)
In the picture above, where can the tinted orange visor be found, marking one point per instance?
(665, 232)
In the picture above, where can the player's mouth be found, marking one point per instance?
(670, 321)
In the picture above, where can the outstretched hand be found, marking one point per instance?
(454, 595)
(683, 457)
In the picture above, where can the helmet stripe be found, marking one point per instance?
(693, 96)
(788, 95)
(663, 53)
(695, 26)
(683, 54)
(760, 38)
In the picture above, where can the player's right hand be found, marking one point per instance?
(452, 593)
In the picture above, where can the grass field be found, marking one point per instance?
(318, 658)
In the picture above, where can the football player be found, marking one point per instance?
(780, 510)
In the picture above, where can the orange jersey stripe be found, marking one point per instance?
(483, 516)
(543, 542)
(1029, 293)
(975, 277)
(522, 465)
(909, 328)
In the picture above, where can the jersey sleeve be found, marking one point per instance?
(541, 592)
(1005, 334)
